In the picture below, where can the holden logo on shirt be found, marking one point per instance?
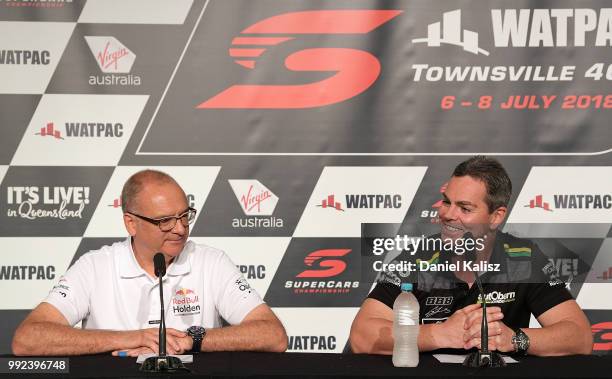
(185, 302)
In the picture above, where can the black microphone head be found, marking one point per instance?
(159, 262)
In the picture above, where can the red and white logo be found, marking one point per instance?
(602, 336)
(537, 202)
(111, 55)
(354, 70)
(50, 131)
(328, 266)
(330, 202)
(254, 198)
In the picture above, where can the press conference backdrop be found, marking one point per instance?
(290, 123)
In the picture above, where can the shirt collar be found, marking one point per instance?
(130, 268)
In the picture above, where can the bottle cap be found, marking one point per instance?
(406, 287)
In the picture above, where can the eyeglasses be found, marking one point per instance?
(166, 224)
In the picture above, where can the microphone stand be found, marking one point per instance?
(162, 362)
(483, 357)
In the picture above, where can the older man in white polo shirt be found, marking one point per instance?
(114, 291)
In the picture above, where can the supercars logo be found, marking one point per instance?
(329, 267)
(354, 70)
(602, 336)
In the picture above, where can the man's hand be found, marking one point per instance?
(146, 341)
(452, 330)
(500, 336)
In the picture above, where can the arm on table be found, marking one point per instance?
(47, 332)
(565, 330)
(372, 330)
(260, 330)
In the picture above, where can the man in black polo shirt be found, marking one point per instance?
(475, 201)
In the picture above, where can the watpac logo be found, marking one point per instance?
(526, 28)
(256, 200)
(185, 302)
(328, 267)
(573, 201)
(50, 131)
(317, 343)
(83, 130)
(606, 275)
(33, 202)
(25, 57)
(116, 203)
(363, 201)
(330, 202)
(27, 272)
(325, 264)
(113, 58)
(355, 70)
(449, 32)
(537, 202)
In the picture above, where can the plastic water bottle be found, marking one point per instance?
(406, 328)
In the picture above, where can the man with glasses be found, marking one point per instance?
(114, 291)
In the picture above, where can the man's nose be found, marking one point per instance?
(449, 213)
(179, 228)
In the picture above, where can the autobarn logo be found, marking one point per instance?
(35, 3)
(571, 201)
(35, 202)
(82, 130)
(315, 343)
(185, 302)
(354, 70)
(25, 57)
(115, 61)
(27, 272)
(257, 202)
(497, 297)
(362, 201)
(324, 265)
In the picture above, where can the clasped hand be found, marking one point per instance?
(462, 329)
(146, 341)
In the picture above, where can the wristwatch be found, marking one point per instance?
(520, 340)
(197, 333)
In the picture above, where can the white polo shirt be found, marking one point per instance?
(107, 289)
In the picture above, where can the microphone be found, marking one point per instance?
(483, 357)
(159, 263)
(162, 362)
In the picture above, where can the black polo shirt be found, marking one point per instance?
(524, 285)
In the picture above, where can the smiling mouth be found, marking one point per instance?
(452, 229)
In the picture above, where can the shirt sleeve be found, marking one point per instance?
(70, 295)
(386, 293)
(546, 290)
(234, 297)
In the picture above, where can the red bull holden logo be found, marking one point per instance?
(185, 302)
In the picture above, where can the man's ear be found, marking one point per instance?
(130, 224)
(497, 217)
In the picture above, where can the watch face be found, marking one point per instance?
(195, 331)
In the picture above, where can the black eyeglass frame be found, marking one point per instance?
(158, 221)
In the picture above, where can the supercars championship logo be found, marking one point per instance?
(355, 70)
(324, 264)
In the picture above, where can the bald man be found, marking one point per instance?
(114, 291)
